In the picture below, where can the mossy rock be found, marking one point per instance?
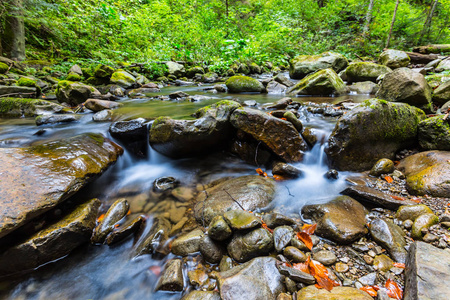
(441, 94)
(74, 93)
(434, 134)
(394, 59)
(103, 71)
(303, 65)
(3, 68)
(365, 71)
(437, 79)
(23, 107)
(72, 76)
(255, 69)
(244, 69)
(123, 79)
(244, 84)
(26, 81)
(194, 70)
(324, 82)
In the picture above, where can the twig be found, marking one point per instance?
(234, 199)
(289, 191)
(256, 154)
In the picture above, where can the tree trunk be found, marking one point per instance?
(427, 25)
(392, 24)
(368, 18)
(13, 39)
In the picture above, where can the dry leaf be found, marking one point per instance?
(309, 229)
(369, 290)
(394, 290)
(306, 239)
(388, 179)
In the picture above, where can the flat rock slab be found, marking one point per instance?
(427, 272)
(33, 180)
(375, 197)
(337, 293)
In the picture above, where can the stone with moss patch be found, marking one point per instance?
(26, 81)
(302, 65)
(72, 76)
(74, 93)
(441, 94)
(123, 79)
(324, 82)
(394, 58)
(365, 71)
(23, 107)
(434, 134)
(3, 68)
(244, 84)
(194, 70)
(103, 71)
(443, 65)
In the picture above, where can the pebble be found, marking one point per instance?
(325, 257)
(383, 263)
(294, 254)
(368, 259)
(372, 253)
(429, 238)
(369, 279)
(341, 267)
(408, 224)
(197, 277)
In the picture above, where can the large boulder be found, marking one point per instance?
(37, 178)
(123, 79)
(324, 82)
(277, 134)
(405, 85)
(311, 292)
(373, 130)
(427, 173)
(434, 134)
(441, 94)
(75, 93)
(251, 192)
(53, 242)
(303, 65)
(175, 69)
(365, 71)
(180, 138)
(244, 84)
(257, 279)
(341, 220)
(394, 59)
(103, 71)
(23, 107)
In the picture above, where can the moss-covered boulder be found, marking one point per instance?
(394, 59)
(26, 81)
(254, 68)
(72, 76)
(405, 85)
(434, 134)
(103, 71)
(74, 93)
(324, 82)
(23, 107)
(244, 84)
(373, 130)
(303, 65)
(441, 94)
(181, 138)
(36, 179)
(3, 68)
(175, 69)
(365, 71)
(427, 173)
(190, 73)
(123, 79)
(53, 242)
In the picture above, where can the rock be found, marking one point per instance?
(324, 82)
(177, 95)
(98, 105)
(325, 257)
(341, 220)
(422, 222)
(226, 263)
(383, 166)
(356, 144)
(427, 173)
(175, 69)
(115, 213)
(279, 135)
(369, 279)
(443, 66)
(245, 246)
(123, 79)
(53, 119)
(202, 295)
(3, 68)
(341, 267)
(383, 263)
(188, 243)
(280, 78)
(172, 277)
(53, 242)
(434, 134)
(26, 81)
(394, 59)
(303, 65)
(426, 268)
(286, 170)
(364, 87)
(103, 71)
(18, 91)
(289, 116)
(240, 282)
(155, 239)
(389, 236)
(190, 73)
(74, 93)
(251, 192)
(76, 69)
(296, 275)
(179, 138)
(405, 85)
(103, 116)
(125, 230)
(337, 293)
(133, 134)
(441, 94)
(241, 220)
(163, 184)
(37, 178)
(275, 88)
(24, 107)
(280, 104)
(244, 84)
(284, 296)
(294, 254)
(275, 219)
(411, 212)
(365, 71)
(211, 250)
(282, 237)
(219, 229)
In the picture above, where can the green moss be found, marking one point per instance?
(73, 77)
(103, 71)
(242, 84)
(26, 81)
(3, 68)
(18, 107)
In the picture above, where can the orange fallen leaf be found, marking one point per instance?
(399, 265)
(129, 212)
(320, 273)
(264, 225)
(304, 267)
(309, 229)
(394, 290)
(279, 177)
(306, 239)
(388, 179)
(417, 200)
(369, 290)
(284, 119)
(261, 172)
(398, 198)
(99, 219)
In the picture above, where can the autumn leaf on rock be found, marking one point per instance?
(320, 273)
(394, 290)
(306, 239)
(369, 290)
(309, 229)
(261, 172)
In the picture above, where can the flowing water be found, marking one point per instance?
(103, 272)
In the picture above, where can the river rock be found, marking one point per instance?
(212, 251)
(341, 220)
(239, 219)
(364, 87)
(244, 84)
(325, 257)
(125, 230)
(24, 107)
(240, 282)
(123, 79)
(411, 212)
(115, 213)
(303, 65)
(54, 119)
(219, 229)
(181, 138)
(274, 87)
(337, 293)
(103, 116)
(172, 277)
(251, 192)
(405, 85)
(280, 104)
(422, 222)
(133, 134)
(188, 243)
(155, 239)
(279, 135)
(202, 295)
(245, 246)
(17, 91)
(75, 93)
(434, 133)
(175, 69)
(441, 94)
(280, 78)
(97, 105)
(443, 65)
(294, 254)
(425, 273)
(76, 69)
(282, 236)
(324, 82)
(275, 219)
(389, 236)
(383, 263)
(365, 71)
(53, 242)
(296, 275)
(383, 166)
(37, 178)
(394, 59)
(427, 173)
(356, 143)
(286, 170)
(103, 71)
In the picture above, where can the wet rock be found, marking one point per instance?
(226, 263)
(281, 104)
(23, 107)
(29, 92)
(441, 94)
(245, 246)
(37, 178)
(394, 58)
(176, 214)
(383, 263)
(332, 174)
(103, 71)
(356, 143)
(337, 293)
(133, 134)
(172, 277)
(294, 254)
(303, 65)
(251, 152)
(178, 227)
(426, 268)
(427, 173)
(324, 82)
(365, 71)
(341, 220)
(103, 116)
(369, 279)
(383, 166)
(389, 236)
(241, 220)
(296, 275)
(279, 135)
(219, 229)
(325, 257)
(286, 170)
(251, 192)
(411, 212)
(123, 79)
(284, 296)
(275, 219)
(188, 243)
(98, 105)
(244, 84)
(202, 295)
(197, 277)
(299, 244)
(434, 134)
(126, 230)
(164, 184)
(53, 242)
(280, 78)
(364, 88)
(156, 238)
(275, 88)
(211, 250)
(177, 95)
(54, 119)
(241, 283)
(289, 116)
(282, 237)
(422, 222)
(75, 93)
(341, 267)
(115, 213)
(443, 65)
